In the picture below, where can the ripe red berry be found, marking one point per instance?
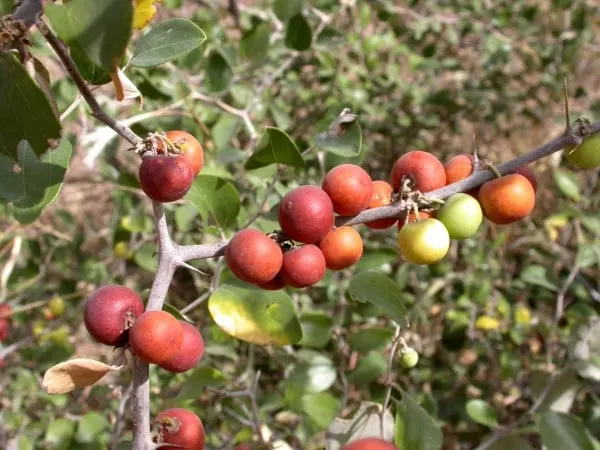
(423, 168)
(190, 353)
(110, 312)
(529, 174)
(275, 284)
(306, 214)
(341, 247)
(156, 337)
(5, 311)
(507, 199)
(2, 362)
(4, 327)
(381, 196)
(180, 427)
(303, 266)
(349, 187)
(458, 168)
(189, 147)
(166, 178)
(253, 257)
(370, 444)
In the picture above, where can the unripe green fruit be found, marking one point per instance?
(408, 357)
(585, 155)
(461, 215)
(424, 242)
(56, 306)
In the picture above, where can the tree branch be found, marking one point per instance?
(62, 52)
(29, 11)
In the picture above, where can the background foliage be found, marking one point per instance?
(276, 74)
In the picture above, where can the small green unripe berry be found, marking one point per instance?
(408, 357)
(56, 306)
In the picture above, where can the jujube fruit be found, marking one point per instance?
(413, 218)
(56, 305)
(189, 147)
(156, 337)
(303, 266)
(190, 352)
(458, 168)
(253, 257)
(585, 155)
(424, 242)
(423, 168)
(109, 313)
(370, 444)
(341, 247)
(507, 199)
(180, 427)
(349, 187)
(408, 357)
(306, 214)
(4, 328)
(461, 215)
(381, 196)
(5, 311)
(529, 174)
(275, 284)
(166, 178)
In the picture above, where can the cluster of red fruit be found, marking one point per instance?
(169, 168)
(306, 216)
(114, 315)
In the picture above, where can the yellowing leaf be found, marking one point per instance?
(79, 372)
(143, 13)
(487, 323)
(522, 315)
(554, 224)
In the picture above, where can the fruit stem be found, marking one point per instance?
(493, 168)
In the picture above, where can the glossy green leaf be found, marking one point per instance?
(166, 42)
(561, 431)
(567, 183)
(321, 408)
(218, 71)
(538, 275)
(196, 383)
(481, 412)
(368, 339)
(59, 434)
(316, 374)
(286, 9)
(510, 442)
(38, 181)
(91, 72)
(90, 426)
(369, 368)
(298, 35)
(25, 112)
(415, 429)
(275, 146)
(343, 138)
(255, 44)
(376, 288)
(316, 329)
(215, 198)
(100, 29)
(256, 316)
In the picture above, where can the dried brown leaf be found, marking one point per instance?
(79, 372)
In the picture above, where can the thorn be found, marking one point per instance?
(187, 266)
(567, 113)
(476, 160)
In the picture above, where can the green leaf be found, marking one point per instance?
(316, 329)
(225, 129)
(214, 197)
(567, 183)
(167, 41)
(25, 111)
(146, 257)
(91, 72)
(376, 288)
(59, 434)
(100, 29)
(561, 431)
(369, 368)
(538, 276)
(369, 339)
(90, 426)
(562, 393)
(298, 35)
(510, 442)
(343, 138)
(255, 44)
(195, 384)
(38, 181)
(415, 429)
(256, 316)
(481, 412)
(286, 9)
(275, 146)
(317, 374)
(321, 408)
(218, 71)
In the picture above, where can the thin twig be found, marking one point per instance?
(120, 419)
(388, 379)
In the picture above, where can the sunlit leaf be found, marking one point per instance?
(75, 373)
